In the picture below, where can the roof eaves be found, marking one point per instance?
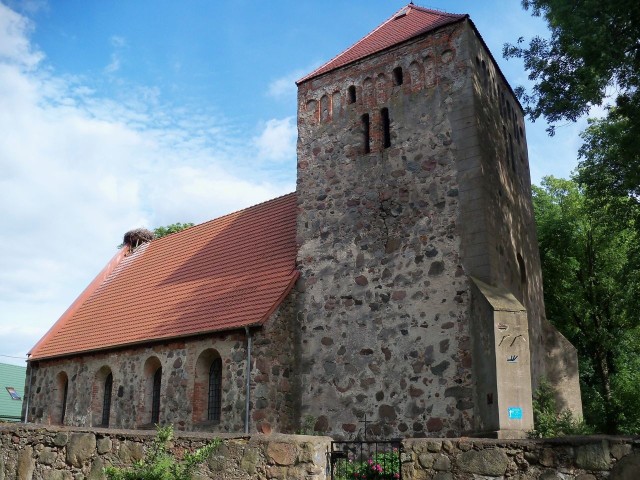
(95, 284)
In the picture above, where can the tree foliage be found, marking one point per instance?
(592, 285)
(160, 232)
(159, 464)
(591, 58)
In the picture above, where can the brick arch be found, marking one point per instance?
(207, 389)
(101, 396)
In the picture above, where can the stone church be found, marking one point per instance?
(400, 281)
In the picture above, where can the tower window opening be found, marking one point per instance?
(386, 134)
(351, 94)
(523, 269)
(366, 133)
(398, 78)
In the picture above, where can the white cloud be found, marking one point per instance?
(79, 170)
(285, 88)
(278, 139)
(114, 64)
(15, 47)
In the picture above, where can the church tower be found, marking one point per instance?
(420, 294)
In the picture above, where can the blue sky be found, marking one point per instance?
(115, 115)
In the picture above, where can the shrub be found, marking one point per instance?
(159, 464)
(548, 422)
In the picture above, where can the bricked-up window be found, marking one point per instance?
(351, 94)
(106, 400)
(155, 396)
(386, 126)
(398, 78)
(366, 133)
(214, 403)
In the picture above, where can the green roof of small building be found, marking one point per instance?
(13, 377)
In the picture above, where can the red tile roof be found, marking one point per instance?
(228, 273)
(405, 24)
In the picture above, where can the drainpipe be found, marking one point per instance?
(26, 410)
(248, 393)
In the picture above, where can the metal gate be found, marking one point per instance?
(375, 460)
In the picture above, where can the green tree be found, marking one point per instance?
(591, 58)
(591, 288)
(160, 232)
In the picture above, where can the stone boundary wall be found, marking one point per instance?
(56, 453)
(566, 458)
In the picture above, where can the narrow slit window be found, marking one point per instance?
(386, 124)
(64, 401)
(351, 94)
(106, 400)
(366, 134)
(155, 398)
(398, 79)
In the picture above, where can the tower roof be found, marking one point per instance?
(224, 274)
(408, 22)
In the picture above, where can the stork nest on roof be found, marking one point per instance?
(137, 237)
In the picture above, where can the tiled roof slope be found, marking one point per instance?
(407, 23)
(228, 273)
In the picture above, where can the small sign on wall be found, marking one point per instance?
(515, 413)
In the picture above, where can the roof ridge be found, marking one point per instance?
(435, 10)
(250, 207)
(344, 59)
(352, 45)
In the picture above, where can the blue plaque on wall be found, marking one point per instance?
(515, 413)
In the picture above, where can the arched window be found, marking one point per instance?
(215, 391)
(60, 405)
(106, 400)
(101, 397)
(150, 410)
(155, 396)
(398, 78)
(207, 391)
(351, 94)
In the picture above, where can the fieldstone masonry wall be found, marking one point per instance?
(273, 385)
(53, 453)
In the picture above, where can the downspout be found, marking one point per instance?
(248, 375)
(26, 410)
